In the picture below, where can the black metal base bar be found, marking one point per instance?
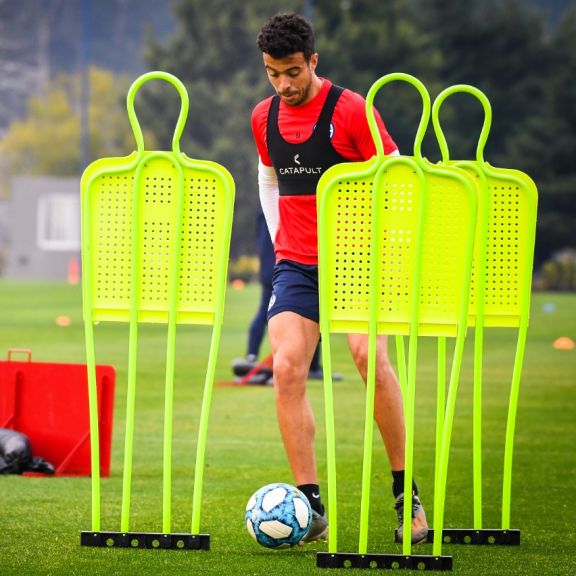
(382, 561)
(146, 540)
(487, 537)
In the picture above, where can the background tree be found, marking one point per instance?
(363, 40)
(546, 146)
(497, 46)
(25, 64)
(47, 140)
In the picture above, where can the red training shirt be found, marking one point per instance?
(296, 238)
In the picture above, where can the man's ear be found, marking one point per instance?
(314, 61)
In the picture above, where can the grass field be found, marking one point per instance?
(40, 519)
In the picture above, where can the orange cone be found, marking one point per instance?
(73, 271)
(63, 321)
(564, 343)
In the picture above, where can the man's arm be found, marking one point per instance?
(269, 194)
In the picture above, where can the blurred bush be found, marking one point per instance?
(244, 268)
(558, 273)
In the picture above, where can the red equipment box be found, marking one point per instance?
(48, 402)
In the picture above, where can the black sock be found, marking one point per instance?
(398, 483)
(312, 492)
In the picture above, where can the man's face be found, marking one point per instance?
(291, 76)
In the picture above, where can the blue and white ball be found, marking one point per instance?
(278, 515)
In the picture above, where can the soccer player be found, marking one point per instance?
(308, 126)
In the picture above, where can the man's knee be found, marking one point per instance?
(289, 375)
(383, 366)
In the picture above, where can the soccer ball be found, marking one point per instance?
(278, 515)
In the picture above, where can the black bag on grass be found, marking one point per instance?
(16, 455)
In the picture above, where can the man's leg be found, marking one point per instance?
(389, 416)
(388, 411)
(293, 339)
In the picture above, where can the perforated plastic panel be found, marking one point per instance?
(507, 220)
(348, 217)
(200, 232)
(509, 247)
(506, 255)
(112, 216)
(347, 212)
(401, 201)
(156, 229)
(449, 230)
(352, 250)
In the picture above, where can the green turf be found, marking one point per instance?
(41, 519)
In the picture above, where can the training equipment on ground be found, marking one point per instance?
(256, 372)
(407, 247)
(500, 298)
(47, 401)
(241, 366)
(396, 239)
(278, 516)
(155, 241)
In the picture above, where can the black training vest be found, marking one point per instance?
(299, 166)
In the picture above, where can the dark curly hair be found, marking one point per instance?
(285, 34)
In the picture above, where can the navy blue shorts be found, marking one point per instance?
(295, 289)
